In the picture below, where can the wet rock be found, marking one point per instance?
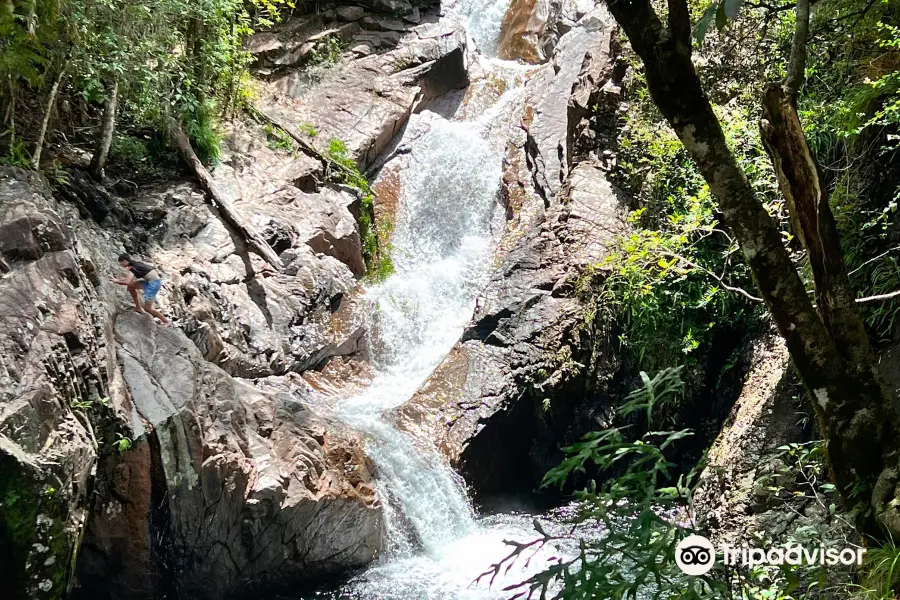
(522, 31)
(484, 405)
(531, 29)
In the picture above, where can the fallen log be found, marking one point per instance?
(310, 150)
(217, 198)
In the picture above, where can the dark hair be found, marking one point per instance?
(124, 257)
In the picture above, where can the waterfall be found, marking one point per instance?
(441, 248)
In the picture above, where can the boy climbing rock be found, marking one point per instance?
(141, 276)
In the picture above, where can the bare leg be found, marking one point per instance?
(148, 306)
(133, 290)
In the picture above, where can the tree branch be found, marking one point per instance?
(873, 259)
(770, 7)
(797, 66)
(680, 24)
(232, 219)
(878, 297)
(734, 290)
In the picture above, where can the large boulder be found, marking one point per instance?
(228, 488)
(365, 101)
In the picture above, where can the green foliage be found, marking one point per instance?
(375, 254)
(278, 138)
(129, 149)
(171, 58)
(18, 156)
(720, 11)
(327, 52)
(665, 282)
(308, 129)
(851, 116)
(82, 405)
(635, 555)
(642, 511)
(141, 156)
(122, 443)
(881, 573)
(200, 127)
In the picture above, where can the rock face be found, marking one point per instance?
(531, 28)
(560, 96)
(51, 331)
(229, 488)
(181, 480)
(248, 319)
(761, 420)
(508, 393)
(365, 102)
(764, 478)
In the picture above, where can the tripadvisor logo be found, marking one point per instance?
(695, 555)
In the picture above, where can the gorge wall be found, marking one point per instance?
(144, 462)
(205, 460)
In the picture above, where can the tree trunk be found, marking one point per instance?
(107, 130)
(856, 419)
(800, 182)
(217, 198)
(797, 64)
(42, 133)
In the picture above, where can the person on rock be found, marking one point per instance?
(144, 277)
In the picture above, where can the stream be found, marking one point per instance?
(442, 245)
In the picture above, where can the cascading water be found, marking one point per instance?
(441, 249)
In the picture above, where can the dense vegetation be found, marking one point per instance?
(679, 282)
(172, 59)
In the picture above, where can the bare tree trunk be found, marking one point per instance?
(857, 420)
(51, 101)
(12, 113)
(800, 182)
(217, 198)
(107, 130)
(797, 63)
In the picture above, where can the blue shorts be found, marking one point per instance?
(151, 288)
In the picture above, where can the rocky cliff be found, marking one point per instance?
(118, 432)
(512, 388)
(193, 461)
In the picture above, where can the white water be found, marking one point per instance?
(441, 249)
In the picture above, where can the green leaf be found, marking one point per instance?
(721, 17)
(702, 26)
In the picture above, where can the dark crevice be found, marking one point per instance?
(160, 523)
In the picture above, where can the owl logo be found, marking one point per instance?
(695, 555)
